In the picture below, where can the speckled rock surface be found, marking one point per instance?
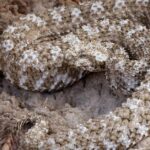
(52, 50)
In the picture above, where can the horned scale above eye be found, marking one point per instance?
(52, 51)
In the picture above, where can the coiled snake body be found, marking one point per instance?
(57, 48)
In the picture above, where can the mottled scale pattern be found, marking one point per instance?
(54, 49)
(51, 51)
(123, 74)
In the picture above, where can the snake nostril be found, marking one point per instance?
(130, 54)
(28, 124)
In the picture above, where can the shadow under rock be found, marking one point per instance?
(92, 95)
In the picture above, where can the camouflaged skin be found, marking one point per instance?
(51, 51)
